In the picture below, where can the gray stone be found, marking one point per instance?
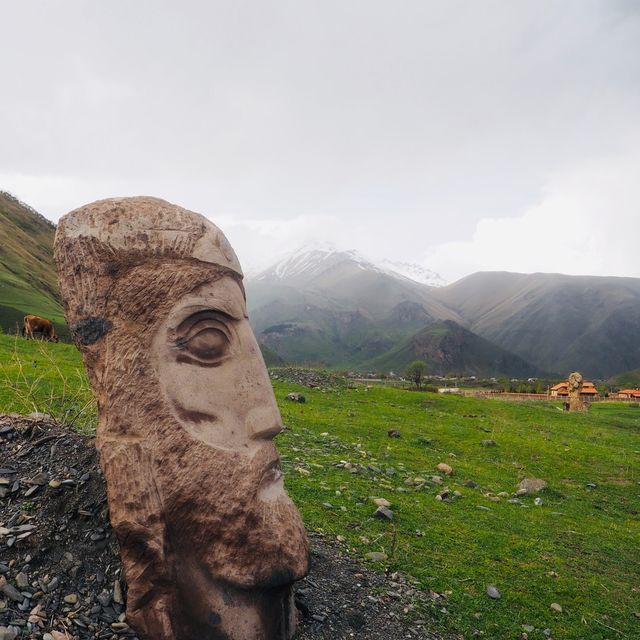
(22, 580)
(376, 556)
(493, 592)
(104, 598)
(53, 584)
(384, 513)
(10, 591)
(532, 485)
(489, 443)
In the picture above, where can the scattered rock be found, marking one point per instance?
(443, 467)
(538, 502)
(296, 397)
(556, 607)
(489, 443)
(381, 502)
(471, 484)
(22, 581)
(393, 433)
(531, 485)
(493, 592)
(383, 513)
(376, 556)
(60, 558)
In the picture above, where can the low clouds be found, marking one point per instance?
(587, 222)
(420, 130)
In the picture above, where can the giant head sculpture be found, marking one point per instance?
(210, 541)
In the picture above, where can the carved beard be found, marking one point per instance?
(215, 517)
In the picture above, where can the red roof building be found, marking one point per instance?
(561, 390)
(629, 393)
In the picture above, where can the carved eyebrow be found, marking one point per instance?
(203, 314)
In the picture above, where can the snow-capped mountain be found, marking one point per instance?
(415, 272)
(308, 262)
(311, 261)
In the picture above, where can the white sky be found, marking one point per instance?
(463, 135)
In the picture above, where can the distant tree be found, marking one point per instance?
(415, 372)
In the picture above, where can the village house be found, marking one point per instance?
(629, 394)
(561, 390)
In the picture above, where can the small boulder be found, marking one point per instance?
(556, 607)
(393, 433)
(531, 485)
(381, 502)
(376, 556)
(443, 467)
(383, 513)
(489, 443)
(493, 592)
(296, 397)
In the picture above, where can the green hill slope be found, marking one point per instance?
(561, 323)
(28, 282)
(626, 380)
(447, 347)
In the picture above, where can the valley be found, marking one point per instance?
(324, 307)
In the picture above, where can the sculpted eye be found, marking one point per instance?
(203, 338)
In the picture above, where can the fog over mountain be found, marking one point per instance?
(338, 308)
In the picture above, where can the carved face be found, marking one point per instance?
(223, 419)
(209, 539)
(211, 370)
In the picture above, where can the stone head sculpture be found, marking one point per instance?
(210, 541)
(575, 389)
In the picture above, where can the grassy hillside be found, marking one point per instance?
(577, 549)
(271, 358)
(28, 282)
(447, 347)
(626, 380)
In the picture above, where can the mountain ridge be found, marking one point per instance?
(341, 309)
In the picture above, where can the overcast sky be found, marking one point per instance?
(463, 136)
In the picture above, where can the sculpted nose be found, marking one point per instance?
(264, 423)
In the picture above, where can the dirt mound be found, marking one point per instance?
(60, 573)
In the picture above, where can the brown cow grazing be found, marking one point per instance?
(36, 324)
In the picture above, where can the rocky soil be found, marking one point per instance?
(311, 378)
(60, 574)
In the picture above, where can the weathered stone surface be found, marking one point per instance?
(575, 389)
(443, 467)
(531, 485)
(210, 541)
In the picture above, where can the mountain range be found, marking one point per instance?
(338, 309)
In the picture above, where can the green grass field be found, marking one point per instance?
(578, 549)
